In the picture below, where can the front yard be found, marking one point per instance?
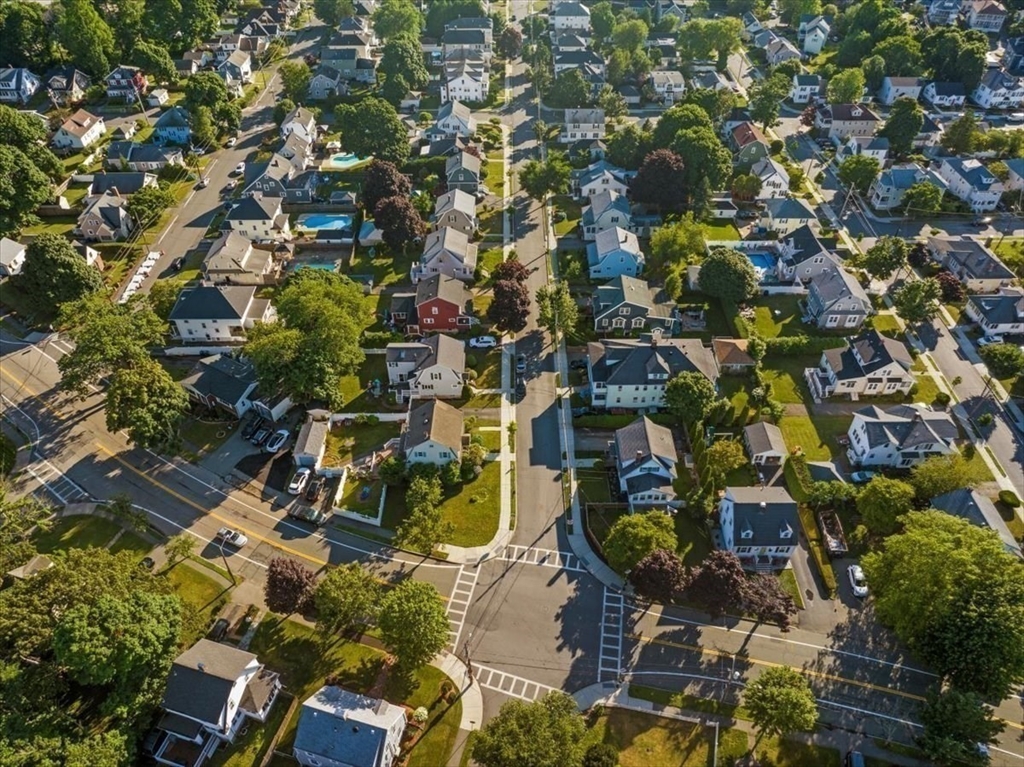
(815, 435)
(571, 212)
(346, 443)
(487, 367)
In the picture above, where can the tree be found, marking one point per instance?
(746, 186)
(873, 68)
(707, 163)
(940, 474)
(922, 197)
(766, 599)
(882, 502)
(510, 43)
(629, 35)
(558, 309)
(628, 146)
(331, 12)
(660, 181)
(569, 91)
(678, 243)
(961, 136)
(29, 135)
(952, 289)
(121, 506)
(955, 55)
(413, 623)
(886, 257)
(394, 18)
(716, 103)
(510, 269)
(289, 586)
(19, 520)
(724, 455)
(54, 274)
(766, 98)
(601, 755)
(25, 36)
(199, 20)
(546, 733)
(635, 536)
(383, 180)
(442, 12)
(155, 61)
(511, 306)
(905, 122)
(902, 55)
(728, 275)
(295, 77)
(347, 596)
(602, 19)
(403, 56)
(1003, 360)
(690, 396)
(790, 11)
(148, 403)
(846, 87)
(373, 129)
(23, 188)
(205, 89)
(858, 171)
(425, 528)
(146, 205)
(85, 35)
(955, 722)
(539, 179)
(612, 102)
(204, 130)
(918, 301)
(718, 584)
(399, 222)
(182, 546)
(660, 576)
(780, 702)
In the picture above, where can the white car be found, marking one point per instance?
(276, 442)
(989, 340)
(298, 483)
(1015, 117)
(483, 342)
(240, 168)
(231, 142)
(857, 581)
(231, 185)
(232, 537)
(862, 477)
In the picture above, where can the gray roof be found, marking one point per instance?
(806, 244)
(578, 58)
(226, 378)
(462, 160)
(808, 80)
(442, 287)
(584, 116)
(625, 289)
(312, 436)
(175, 117)
(1004, 308)
(471, 22)
(997, 79)
(202, 677)
(602, 202)
(768, 512)
(437, 421)
(345, 727)
(436, 350)
(783, 208)
(213, 302)
(464, 37)
(824, 471)
(615, 239)
(971, 505)
(907, 426)
(571, 9)
(943, 88)
(643, 440)
(455, 108)
(764, 437)
(971, 256)
(128, 182)
(255, 208)
(866, 353)
(625, 362)
(453, 240)
(233, 253)
(833, 284)
(849, 112)
(9, 250)
(972, 171)
(456, 199)
(66, 78)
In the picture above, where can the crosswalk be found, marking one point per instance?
(55, 482)
(458, 603)
(509, 684)
(610, 661)
(561, 560)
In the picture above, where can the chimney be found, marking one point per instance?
(639, 454)
(764, 506)
(201, 666)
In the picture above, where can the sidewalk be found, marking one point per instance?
(472, 701)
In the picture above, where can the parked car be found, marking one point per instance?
(316, 488)
(521, 363)
(298, 483)
(989, 340)
(308, 514)
(252, 426)
(261, 436)
(219, 630)
(862, 477)
(231, 142)
(231, 537)
(147, 563)
(580, 411)
(578, 364)
(177, 263)
(857, 581)
(984, 221)
(276, 442)
(240, 168)
(231, 185)
(203, 183)
(483, 342)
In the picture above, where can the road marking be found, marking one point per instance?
(36, 395)
(610, 655)
(525, 555)
(510, 684)
(458, 603)
(59, 484)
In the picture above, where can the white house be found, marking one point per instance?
(899, 436)
(999, 314)
(765, 444)
(433, 433)
(998, 90)
(977, 267)
(234, 260)
(79, 131)
(899, 87)
(587, 62)
(774, 179)
(325, 83)
(339, 728)
(805, 88)
(944, 12)
(425, 369)
(1015, 178)
(17, 85)
(570, 15)
(605, 210)
(986, 16)
(842, 120)
(870, 365)
(645, 457)
(945, 95)
(668, 84)
(220, 313)
(628, 303)
(465, 81)
(582, 124)
(759, 525)
(311, 442)
(614, 252)
(971, 182)
(814, 34)
(302, 121)
(875, 147)
(259, 219)
(598, 177)
(454, 119)
(836, 299)
(12, 257)
(786, 214)
(446, 251)
(780, 50)
(887, 190)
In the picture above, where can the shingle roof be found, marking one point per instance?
(202, 677)
(444, 288)
(769, 513)
(1004, 308)
(971, 505)
(435, 350)
(437, 421)
(625, 289)
(972, 257)
(866, 353)
(731, 351)
(456, 199)
(128, 182)
(213, 302)
(624, 362)
(584, 115)
(79, 123)
(907, 426)
(312, 436)
(642, 440)
(764, 437)
(255, 208)
(346, 728)
(462, 160)
(226, 378)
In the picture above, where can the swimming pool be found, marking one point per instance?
(763, 261)
(344, 161)
(330, 221)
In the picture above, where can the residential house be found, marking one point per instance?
(483, 23)
(326, 83)
(732, 356)
(438, 305)
(129, 155)
(774, 177)
(425, 369)
(780, 50)
(945, 95)
(581, 60)
(668, 85)
(338, 728)
(78, 132)
(930, 135)
(298, 149)
(12, 257)
(126, 83)
(998, 314)
(970, 181)
(455, 42)
(887, 190)
(259, 218)
(351, 65)
(465, 81)
(462, 171)
(105, 218)
(751, 25)
(764, 38)
(870, 365)
(66, 85)
(1013, 55)
(444, 148)
(173, 127)
(597, 177)
(301, 121)
(986, 16)
(17, 85)
(786, 214)
(454, 120)
(627, 304)
(282, 177)
(759, 525)
(765, 444)
(223, 382)
(665, 49)
(836, 300)
(570, 15)
(456, 209)
(214, 691)
(236, 68)
(711, 81)
(802, 254)
(1015, 177)
(218, 313)
(900, 87)
(844, 120)
(943, 12)
(875, 147)
(967, 503)
(158, 97)
(632, 373)
(749, 146)
(571, 41)
(446, 251)
(977, 267)
(311, 441)
(123, 183)
(582, 124)
(605, 210)
(645, 462)
(998, 90)
(900, 436)
(614, 252)
(813, 34)
(433, 433)
(805, 88)
(124, 131)
(234, 260)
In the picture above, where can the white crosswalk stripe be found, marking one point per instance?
(610, 662)
(561, 560)
(458, 603)
(509, 684)
(56, 482)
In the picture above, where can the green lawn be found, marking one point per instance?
(77, 532)
(488, 369)
(886, 324)
(481, 401)
(346, 443)
(1011, 251)
(206, 436)
(776, 316)
(387, 269)
(737, 391)
(694, 541)
(721, 230)
(202, 593)
(572, 211)
(815, 435)
(927, 389)
(490, 258)
(352, 499)
(689, 702)
(355, 398)
(788, 580)
(492, 222)
(474, 507)
(979, 469)
(644, 740)
(442, 727)
(249, 749)
(488, 438)
(130, 541)
(494, 177)
(593, 486)
(51, 224)
(786, 375)
(716, 321)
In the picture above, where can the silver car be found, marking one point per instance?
(857, 581)
(232, 537)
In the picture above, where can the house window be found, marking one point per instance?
(624, 310)
(435, 376)
(604, 322)
(618, 322)
(428, 320)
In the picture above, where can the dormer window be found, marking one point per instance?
(785, 531)
(747, 532)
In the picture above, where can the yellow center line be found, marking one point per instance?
(35, 395)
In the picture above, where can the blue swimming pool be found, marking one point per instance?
(345, 161)
(318, 221)
(763, 261)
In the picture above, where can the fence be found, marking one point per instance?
(355, 515)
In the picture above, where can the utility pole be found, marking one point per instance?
(469, 660)
(220, 543)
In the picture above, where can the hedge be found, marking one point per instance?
(1009, 498)
(821, 559)
(798, 477)
(800, 344)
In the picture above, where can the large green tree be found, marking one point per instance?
(602, 19)
(557, 308)
(539, 179)
(54, 274)
(906, 118)
(413, 623)
(941, 474)
(886, 257)
(347, 596)
(955, 55)
(394, 18)
(690, 396)
(26, 39)
(728, 275)
(332, 12)
(546, 733)
(23, 188)
(707, 163)
(20, 517)
(678, 243)
(780, 702)
(918, 301)
(148, 403)
(403, 56)
(155, 60)
(661, 181)
(146, 205)
(373, 129)
(766, 98)
(21, 131)
(955, 722)
(790, 11)
(902, 55)
(295, 77)
(569, 91)
(882, 502)
(677, 118)
(85, 35)
(846, 87)
(858, 172)
(634, 536)
(922, 197)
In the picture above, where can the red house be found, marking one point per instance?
(439, 304)
(127, 83)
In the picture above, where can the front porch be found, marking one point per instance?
(819, 384)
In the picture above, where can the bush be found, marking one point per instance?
(471, 361)
(776, 146)
(800, 344)
(943, 399)
(378, 339)
(1009, 498)
(802, 474)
